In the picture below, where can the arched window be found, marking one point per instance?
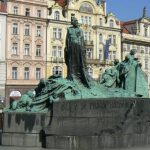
(86, 8)
(90, 71)
(57, 15)
(57, 71)
(111, 23)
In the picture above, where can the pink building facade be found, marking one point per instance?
(26, 46)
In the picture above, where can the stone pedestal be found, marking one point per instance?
(99, 124)
(91, 124)
(24, 129)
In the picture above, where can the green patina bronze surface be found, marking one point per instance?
(124, 79)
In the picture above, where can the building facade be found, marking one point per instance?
(3, 13)
(26, 45)
(98, 26)
(136, 35)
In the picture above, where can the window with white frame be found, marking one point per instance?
(54, 51)
(15, 28)
(86, 20)
(14, 73)
(57, 51)
(57, 71)
(112, 55)
(101, 55)
(111, 23)
(39, 30)
(39, 13)
(38, 73)
(112, 39)
(27, 49)
(89, 53)
(15, 10)
(56, 15)
(87, 36)
(26, 73)
(27, 30)
(57, 33)
(38, 50)
(27, 12)
(15, 48)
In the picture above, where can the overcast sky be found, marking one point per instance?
(128, 9)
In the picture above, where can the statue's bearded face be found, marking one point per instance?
(75, 22)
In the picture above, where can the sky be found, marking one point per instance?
(126, 10)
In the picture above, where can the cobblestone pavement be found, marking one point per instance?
(32, 148)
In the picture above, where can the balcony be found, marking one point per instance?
(88, 42)
(57, 60)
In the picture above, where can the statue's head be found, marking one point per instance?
(133, 51)
(126, 58)
(74, 22)
(116, 61)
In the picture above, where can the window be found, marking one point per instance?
(112, 55)
(38, 31)
(38, 73)
(145, 31)
(87, 36)
(89, 53)
(101, 55)
(57, 71)
(59, 52)
(14, 73)
(27, 49)
(38, 50)
(86, 20)
(112, 39)
(27, 13)
(57, 15)
(86, 8)
(26, 73)
(39, 13)
(15, 28)
(100, 38)
(54, 51)
(15, 48)
(54, 33)
(101, 22)
(146, 50)
(111, 23)
(146, 64)
(27, 29)
(57, 33)
(82, 20)
(15, 10)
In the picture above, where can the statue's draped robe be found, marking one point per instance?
(136, 80)
(76, 56)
